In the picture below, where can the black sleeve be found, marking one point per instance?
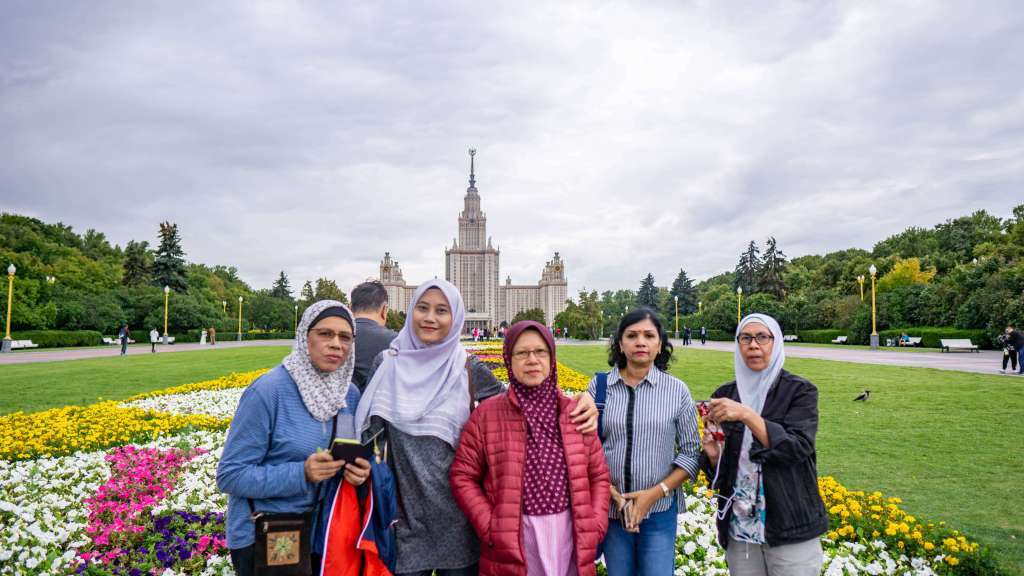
(486, 383)
(792, 437)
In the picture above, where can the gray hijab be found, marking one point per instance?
(323, 393)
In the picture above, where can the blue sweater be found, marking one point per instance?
(270, 438)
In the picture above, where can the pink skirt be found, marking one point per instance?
(548, 545)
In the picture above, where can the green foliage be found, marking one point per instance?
(396, 320)
(748, 269)
(137, 263)
(773, 267)
(535, 314)
(682, 287)
(169, 262)
(328, 290)
(648, 293)
(60, 338)
(582, 320)
(281, 288)
(820, 336)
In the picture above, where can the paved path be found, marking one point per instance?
(984, 362)
(24, 356)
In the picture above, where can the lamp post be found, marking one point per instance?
(239, 318)
(224, 306)
(602, 324)
(677, 316)
(296, 325)
(860, 280)
(167, 294)
(874, 323)
(739, 304)
(6, 347)
(700, 308)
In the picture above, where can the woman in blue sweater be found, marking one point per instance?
(276, 458)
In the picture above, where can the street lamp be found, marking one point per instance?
(602, 324)
(224, 306)
(6, 347)
(239, 318)
(296, 326)
(167, 294)
(677, 316)
(700, 308)
(739, 304)
(51, 279)
(874, 323)
(860, 280)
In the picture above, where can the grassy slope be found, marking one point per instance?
(948, 443)
(38, 386)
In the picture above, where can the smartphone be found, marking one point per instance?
(348, 449)
(704, 408)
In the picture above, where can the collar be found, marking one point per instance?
(615, 377)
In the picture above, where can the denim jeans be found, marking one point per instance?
(1020, 360)
(651, 552)
(468, 571)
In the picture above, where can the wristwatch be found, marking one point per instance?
(664, 488)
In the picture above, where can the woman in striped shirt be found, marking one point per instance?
(649, 430)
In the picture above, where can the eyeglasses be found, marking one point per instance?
(761, 339)
(344, 337)
(540, 353)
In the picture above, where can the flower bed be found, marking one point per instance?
(150, 505)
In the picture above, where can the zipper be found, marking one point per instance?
(282, 524)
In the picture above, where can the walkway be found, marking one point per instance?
(25, 356)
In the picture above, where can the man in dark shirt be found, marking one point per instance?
(370, 308)
(1017, 339)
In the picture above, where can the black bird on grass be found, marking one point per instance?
(863, 396)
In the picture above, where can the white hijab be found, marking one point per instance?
(323, 393)
(753, 386)
(421, 389)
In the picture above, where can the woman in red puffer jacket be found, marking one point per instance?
(535, 489)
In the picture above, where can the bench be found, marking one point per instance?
(911, 341)
(116, 341)
(790, 338)
(950, 344)
(20, 344)
(840, 340)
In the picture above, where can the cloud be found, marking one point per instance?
(313, 138)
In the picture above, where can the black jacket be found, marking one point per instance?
(1017, 339)
(794, 511)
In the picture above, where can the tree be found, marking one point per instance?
(396, 320)
(648, 293)
(306, 295)
(328, 290)
(535, 314)
(682, 287)
(905, 273)
(137, 263)
(773, 266)
(169, 263)
(748, 269)
(281, 288)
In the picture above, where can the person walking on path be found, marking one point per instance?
(124, 335)
(370, 307)
(687, 333)
(213, 335)
(154, 335)
(1009, 350)
(703, 335)
(770, 513)
(1017, 339)
(535, 489)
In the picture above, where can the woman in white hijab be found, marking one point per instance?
(770, 513)
(417, 399)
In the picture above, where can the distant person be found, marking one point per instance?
(370, 308)
(124, 335)
(1009, 350)
(687, 335)
(154, 335)
(703, 335)
(213, 335)
(904, 339)
(1018, 342)
(770, 513)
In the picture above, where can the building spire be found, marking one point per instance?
(472, 168)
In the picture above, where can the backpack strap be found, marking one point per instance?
(600, 398)
(471, 382)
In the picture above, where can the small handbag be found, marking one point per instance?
(282, 543)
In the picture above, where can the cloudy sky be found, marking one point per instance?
(311, 137)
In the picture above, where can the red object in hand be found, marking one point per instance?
(704, 408)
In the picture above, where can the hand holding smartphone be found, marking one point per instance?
(348, 449)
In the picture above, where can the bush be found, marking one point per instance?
(930, 335)
(60, 338)
(820, 336)
(193, 336)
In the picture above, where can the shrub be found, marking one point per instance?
(931, 335)
(820, 336)
(60, 338)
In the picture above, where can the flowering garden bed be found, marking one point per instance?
(129, 488)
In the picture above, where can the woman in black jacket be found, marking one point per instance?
(770, 513)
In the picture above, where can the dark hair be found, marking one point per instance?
(615, 354)
(369, 296)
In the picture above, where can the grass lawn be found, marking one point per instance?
(38, 386)
(948, 443)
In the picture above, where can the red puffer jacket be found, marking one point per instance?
(487, 482)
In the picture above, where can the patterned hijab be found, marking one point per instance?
(323, 393)
(546, 474)
(418, 388)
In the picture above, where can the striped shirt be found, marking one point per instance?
(648, 431)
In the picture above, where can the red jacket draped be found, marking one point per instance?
(487, 482)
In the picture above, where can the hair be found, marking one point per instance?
(369, 296)
(615, 355)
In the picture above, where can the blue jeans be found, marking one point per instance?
(652, 552)
(1020, 360)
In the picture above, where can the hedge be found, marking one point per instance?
(60, 338)
(820, 336)
(930, 335)
(193, 336)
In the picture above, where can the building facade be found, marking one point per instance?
(472, 264)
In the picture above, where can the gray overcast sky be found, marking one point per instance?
(311, 137)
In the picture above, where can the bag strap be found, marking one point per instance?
(600, 398)
(471, 382)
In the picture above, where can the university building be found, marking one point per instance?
(472, 263)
